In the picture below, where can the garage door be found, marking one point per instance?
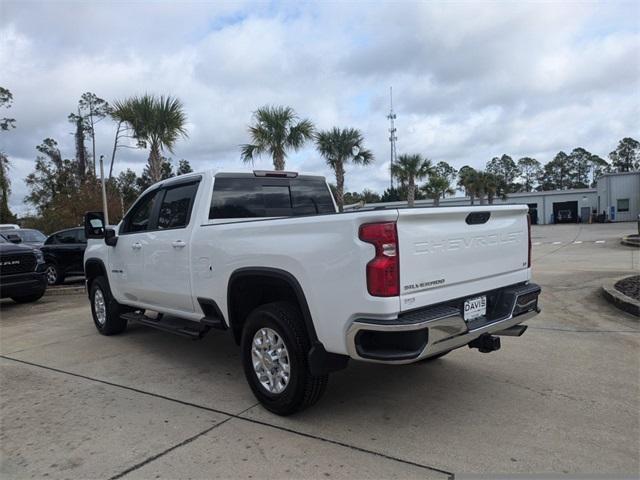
(565, 212)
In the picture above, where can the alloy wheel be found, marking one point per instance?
(270, 360)
(100, 307)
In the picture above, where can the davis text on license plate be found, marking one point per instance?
(475, 307)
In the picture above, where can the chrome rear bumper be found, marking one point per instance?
(443, 327)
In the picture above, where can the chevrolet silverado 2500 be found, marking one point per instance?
(302, 288)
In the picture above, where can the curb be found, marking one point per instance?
(631, 241)
(54, 291)
(619, 299)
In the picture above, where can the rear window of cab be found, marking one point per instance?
(269, 197)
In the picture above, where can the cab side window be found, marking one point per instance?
(80, 236)
(138, 219)
(67, 237)
(175, 209)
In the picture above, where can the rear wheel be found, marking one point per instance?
(54, 275)
(105, 310)
(274, 354)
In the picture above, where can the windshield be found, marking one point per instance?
(31, 235)
(2, 239)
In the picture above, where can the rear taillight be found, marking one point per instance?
(529, 237)
(383, 272)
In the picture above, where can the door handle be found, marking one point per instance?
(178, 244)
(136, 246)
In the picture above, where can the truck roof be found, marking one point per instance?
(229, 174)
(266, 173)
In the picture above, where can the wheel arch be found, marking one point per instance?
(284, 286)
(93, 268)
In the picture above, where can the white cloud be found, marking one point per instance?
(471, 80)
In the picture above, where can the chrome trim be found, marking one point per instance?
(445, 333)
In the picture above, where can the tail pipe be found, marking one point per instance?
(515, 331)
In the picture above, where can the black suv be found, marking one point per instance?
(22, 275)
(63, 252)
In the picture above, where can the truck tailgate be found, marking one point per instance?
(452, 252)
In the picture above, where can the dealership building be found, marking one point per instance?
(617, 196)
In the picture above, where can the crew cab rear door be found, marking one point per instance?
(451, 252)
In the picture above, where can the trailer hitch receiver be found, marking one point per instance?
(486, 343)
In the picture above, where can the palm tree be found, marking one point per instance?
(467, 180)
(408, 169)
(489, 185)
(437, 187)
(339, 147)
(119, 112)
(275, 130)
(155, 121)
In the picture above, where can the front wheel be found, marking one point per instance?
(54, 275)
(274, 355)
(105, 310)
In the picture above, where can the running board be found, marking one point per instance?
(173, 325)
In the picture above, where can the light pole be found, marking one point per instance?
(104, 192)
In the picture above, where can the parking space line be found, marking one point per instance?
(168, 450)
(230, 415)
(536, 243)
(600, 241)
(577, 242)
(557, 243)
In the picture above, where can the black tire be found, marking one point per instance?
(54, 274)
(112, 324)
(303, 389)
(435, 357)
(29, 298)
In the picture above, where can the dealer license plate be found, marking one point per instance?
(475, 307)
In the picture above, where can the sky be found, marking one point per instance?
(471, 80)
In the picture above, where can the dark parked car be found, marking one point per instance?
(27, 236)
(63, 252)
(22, 274)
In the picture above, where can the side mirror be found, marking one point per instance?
(14, 238)
(110, 237)
(94, 225)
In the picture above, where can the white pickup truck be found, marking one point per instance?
(303, 288)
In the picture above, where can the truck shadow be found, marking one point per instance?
(361, 389)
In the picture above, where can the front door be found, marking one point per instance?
(64, 250)
(167, 250)
(80, 247)
(126, 259)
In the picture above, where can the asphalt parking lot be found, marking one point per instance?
(563, 398)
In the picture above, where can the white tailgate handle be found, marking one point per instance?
(136, 246)
(178, 244)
